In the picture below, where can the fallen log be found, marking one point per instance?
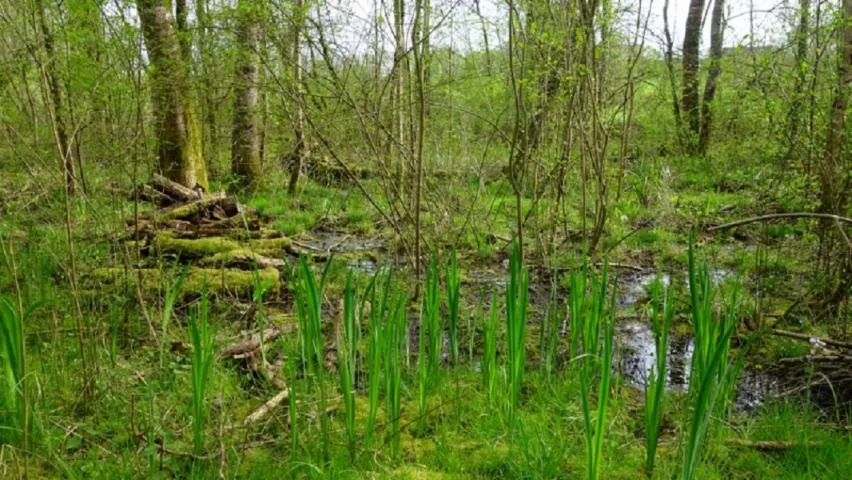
(770, 445)
(252, 344)
(173, 189)
(267, 407)
(150, 194)
(808, 338)
(188, 210)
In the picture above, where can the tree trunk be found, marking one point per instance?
(245, 156)
(669, 58)
(691, 42)
(301, 150)
(178, 135)
(66, 154)
(834, 172)
(800, 65)
(834, 177)
(716, 35)
(181, 15)
(398, 93)
(210, 144)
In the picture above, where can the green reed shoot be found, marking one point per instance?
(710, 371)
(592, 328)
(309, 296)
(15, 407)
(379, 295)
(517, 292)
(172, 293)
(453, 296)
(489, 360)
(202, 362)
(394, 350)
(432, 315)
(346, 361)
(422, 375)
(260, 288)
(453, 292)
(662, 313)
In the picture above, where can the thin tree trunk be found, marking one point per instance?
(211, 131)
(301, 150)
(691, 42)
(66, 153)
(716, 36)
(669, 58)
(834, 174)
(245, 157)
(181, 15)
(420, 45)
(178, 134)
(794, 115)
(399, 74)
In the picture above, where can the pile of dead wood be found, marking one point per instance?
(827, 368)
(189, 213)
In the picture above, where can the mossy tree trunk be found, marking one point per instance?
(690, 99)
(301, 150)
(716, 35)
(66, 153)
(177, 130)
(245, 154)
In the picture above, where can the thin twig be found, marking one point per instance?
(773, 216)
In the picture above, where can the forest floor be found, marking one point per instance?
(138, 422)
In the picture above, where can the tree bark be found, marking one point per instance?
(181, 15)
(716, 36)
(691, 42)
(301, 150)
(834, 177)
(245, 155)
(669, 57)
(66, 153)
(794, 115)
(178, 134)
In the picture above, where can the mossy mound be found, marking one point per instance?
(222, 281)
(195, 248)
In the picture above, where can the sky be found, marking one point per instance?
(461, 28)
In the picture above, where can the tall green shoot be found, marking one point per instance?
(432, 315)
(453, 297)
(172, 294)
(393, 369)
(15, 401)
(379, 301)
(592, 329)
(662, 313)
(202, 361)
(346, 362)
(517, 292)
(429, 354)
(489, 360)
(309, 296)
(710, 370)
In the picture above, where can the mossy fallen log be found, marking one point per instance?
(241, 258)
(218, 281)
(194, 248)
